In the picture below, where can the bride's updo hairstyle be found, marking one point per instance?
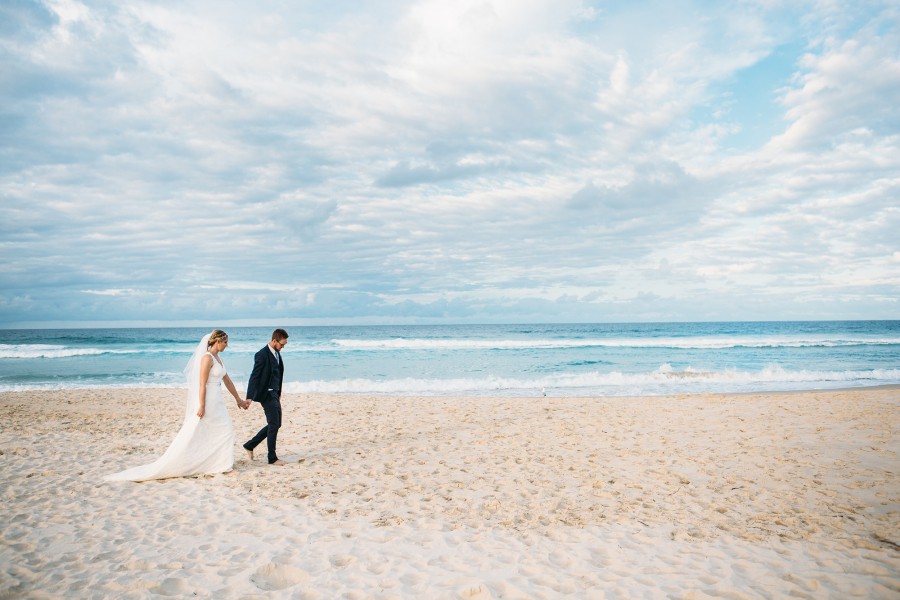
(215, 336)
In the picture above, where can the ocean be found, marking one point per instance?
(611, 359)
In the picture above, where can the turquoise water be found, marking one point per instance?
(556, 360)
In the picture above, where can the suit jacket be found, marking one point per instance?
(262, 378)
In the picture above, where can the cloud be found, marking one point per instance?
(842, 89)
(424, 160)
(656, 193)
(112, 292)
(406, 174)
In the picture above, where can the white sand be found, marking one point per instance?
(747, 496)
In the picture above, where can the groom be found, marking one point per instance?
(265, 387)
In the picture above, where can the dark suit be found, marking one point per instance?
(265, 387)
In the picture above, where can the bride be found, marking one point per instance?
(205, 443)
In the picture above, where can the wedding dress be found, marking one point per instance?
(203, 445)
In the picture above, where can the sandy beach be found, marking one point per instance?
(710, 496)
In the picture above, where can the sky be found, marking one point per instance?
(474, 161)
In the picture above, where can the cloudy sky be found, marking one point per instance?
(448, 161)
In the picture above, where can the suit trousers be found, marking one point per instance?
(269, 432)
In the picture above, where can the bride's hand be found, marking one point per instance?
(201, 411)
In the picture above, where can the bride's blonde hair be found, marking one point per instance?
(215, 336)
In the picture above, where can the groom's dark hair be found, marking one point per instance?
(279, 334)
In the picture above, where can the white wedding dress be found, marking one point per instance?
(203, 445)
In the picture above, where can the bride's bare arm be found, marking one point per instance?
(205, 366)
(230, 387)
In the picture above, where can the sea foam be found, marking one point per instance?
(646, 342)
(664, 380)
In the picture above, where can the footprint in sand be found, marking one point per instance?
(172, 586)
(272, 577)
(341, 560)
(475, 592)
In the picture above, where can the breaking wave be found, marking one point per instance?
(664, 380)
(668, 342)
(53, 351)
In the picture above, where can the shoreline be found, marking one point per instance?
(242, 389)
(462, 496)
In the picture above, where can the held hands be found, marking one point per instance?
(243, 404)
